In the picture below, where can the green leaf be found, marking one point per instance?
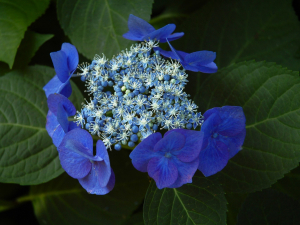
(96, 27)
(15, 17)
(269, 207)
(270, 96)
(26, 151)
(71, 204)
(244, 30)
(29, 45)
(290, 184)
(201, 202)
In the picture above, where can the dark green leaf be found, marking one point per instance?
(29, 45)
(270, 96)
(15, 17)
(26, 151)
(96, 27)
(290, 184)
(235, 201)
(269, 207)
(201, 202)
(135, 219)
(244, 30)
(71, 204)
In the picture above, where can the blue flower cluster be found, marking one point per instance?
(134, 95)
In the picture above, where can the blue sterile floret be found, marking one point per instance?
(92, 171)
(172, 160)
(65, 63)
(224, 131)
(140, 30)
(201, 61)
(60, 108)
(135, 94)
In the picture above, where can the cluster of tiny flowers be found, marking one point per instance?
(133, 95)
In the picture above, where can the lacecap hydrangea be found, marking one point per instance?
(132, 97)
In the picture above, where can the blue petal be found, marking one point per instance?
(56, 101)
(160, 34)
(91, 183)
(186, 172)
(171, 143)
(209, 112)
(62, 108)
(131, 36)
(173, 37)
(200, 57)
(233, 120)
(192, 146)
(54, 129)
(178, 54)
(60, 64)
(67, 90)
(143, 152)
(73, 125)
(210, 126)
(72, 56)
(209, 68)
(56, 86)
(213, 158)
(74, 157)
(163, 171)
(139, 27)
(104, 166)
(234, 143)
(170, 54)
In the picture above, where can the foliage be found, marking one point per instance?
(256, 44)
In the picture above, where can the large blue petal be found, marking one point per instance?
(91, 183)
(170, 143)
(74, 157)
(54, 129)
(160, 34)
(143, 152)
(163, 171)
(104, 166)
(192, 146)
(57, 101)
(51, 123)
(173, 37)
(56, 86)
(186, 172)
(213, 158)
(82, 136)
(131, 36)
(210, 126)
(67, 89)
(178, 54)
(72, 56)
(209, 112)
(208, 68)
(200, 57)
(60, 64)
(139, 27)
(233, 120)
(171, 54)
(234, 143)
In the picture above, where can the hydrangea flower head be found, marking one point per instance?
(201, 61)
(60, 108)
(135, 94)
(65, 63)
(140, 30)
(172, 160)
(93, 171)
(224, 133)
